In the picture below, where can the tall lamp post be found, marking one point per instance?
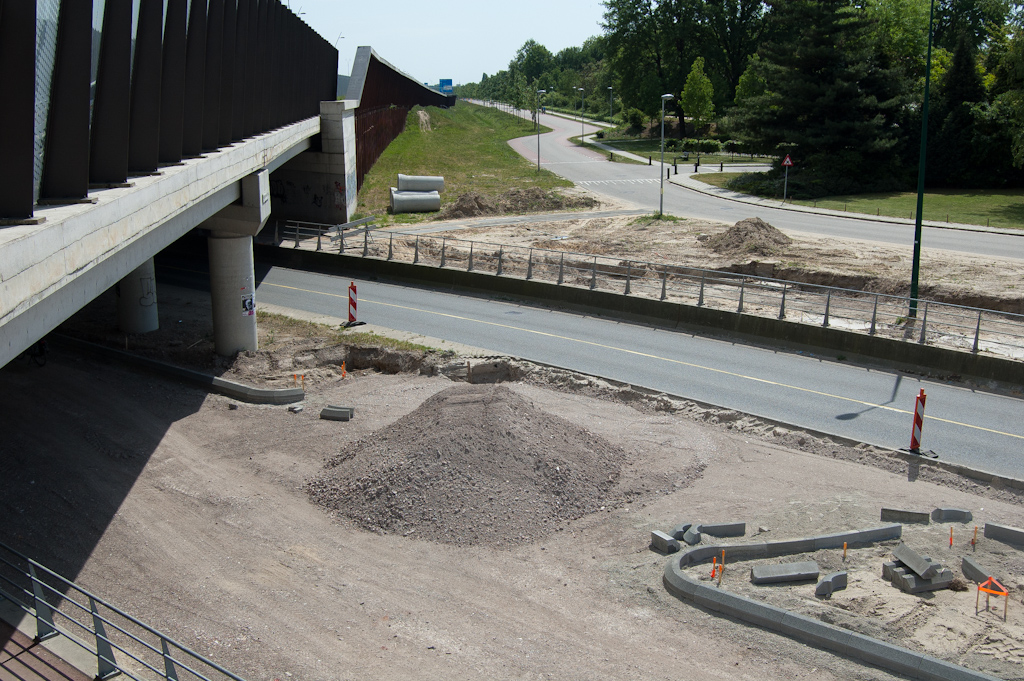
(539, 93)
(661, 202)
(581, 115)
(611, 111)
(916, 269)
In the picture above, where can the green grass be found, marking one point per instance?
(604, 152)
(990, 207)
(648, 146)
(275, 326)
(468, 145)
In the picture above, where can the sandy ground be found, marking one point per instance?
(192, 512)
(847, 263)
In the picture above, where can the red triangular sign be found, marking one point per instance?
(787, 162)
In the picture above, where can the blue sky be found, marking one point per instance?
(458, 39)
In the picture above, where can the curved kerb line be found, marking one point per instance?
(800, 627)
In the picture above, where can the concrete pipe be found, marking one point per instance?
(414, 202)
(420, 183)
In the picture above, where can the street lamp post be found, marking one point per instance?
(611, 111)
(539, 93)
(661, 203)
(915, 271)
(581, 115)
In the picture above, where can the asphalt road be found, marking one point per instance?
(640, 185)
(974, 428)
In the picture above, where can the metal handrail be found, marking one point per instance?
(39, 592)
(877, 314)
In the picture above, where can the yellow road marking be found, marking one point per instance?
(637, 353)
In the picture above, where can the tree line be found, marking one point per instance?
(836, 84)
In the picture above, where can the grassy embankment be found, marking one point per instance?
(989, 207)
(468, 145)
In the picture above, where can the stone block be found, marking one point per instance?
(1004, 533)
(663, 542)
(894, 567)
(332, 413)
(692, 535)
(785, 548)
(679, 530)
(952, 515)
(974, 571)
(896, 515)
(725, 529)
(834, 582)
(786, 572)
(913, 560)
(912, 584)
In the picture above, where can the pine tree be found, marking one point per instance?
(828, 101)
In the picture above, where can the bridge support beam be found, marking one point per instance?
(320, 186)
(232, 273)
(136, 300)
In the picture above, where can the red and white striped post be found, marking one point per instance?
(915, 436)
(352, 302)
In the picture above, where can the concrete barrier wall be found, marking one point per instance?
(619, 306)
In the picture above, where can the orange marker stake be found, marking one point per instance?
(844, 552)
(303, 381)
(975, 540)
(295, 379)
(951, 537)
(714, 567)
(343, 372)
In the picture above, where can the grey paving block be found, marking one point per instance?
(888, 567)
(913, 560)
(834, 582)
(745, 552)
(886, 655)
(692, 535)
(724, 529)
(913, 584)
(332, 413)
(932, 668)
(816, 632)
(952, 515)
(897, 515)
(664, 543)
(876, 534)
(1004, 533)
(679, 530)
(973, 570)
(786, 572)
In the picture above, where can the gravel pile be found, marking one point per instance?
(473, 464)
(753, 236)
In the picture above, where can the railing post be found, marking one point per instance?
(743, 287)
(629, 272)
(470, 268)
(318, 236)
(170, 672)
(341, 233)
(782, 307)
(593, 275)
(529, 266)
(664, 283)
(391, 246)
(277, 227)
(443, 244)
(501, 253)
(366, 241)
(828, 308)
(296, 236)
(561, 269)
(416, 252)
(977, 334)
(44, 615)
(105, 664)
(700, 298)
(874, 317)
(924, 324)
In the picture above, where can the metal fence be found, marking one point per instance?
(958, 327)
(121, 643)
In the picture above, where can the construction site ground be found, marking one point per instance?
(450, 530)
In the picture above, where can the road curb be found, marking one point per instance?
(216, 384)
(800, 627)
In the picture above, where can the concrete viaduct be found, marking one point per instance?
(122, 133)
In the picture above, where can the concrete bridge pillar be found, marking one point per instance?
(232, 273)
(136, 300)
(320, 186)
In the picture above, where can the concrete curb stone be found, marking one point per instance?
(974, 571)
(1004, 533)
(663, 542)
(952, 515)
(895, 515)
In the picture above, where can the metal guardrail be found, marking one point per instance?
(958, 327)
(62, 608)
(296, 232)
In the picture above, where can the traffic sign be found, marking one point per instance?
(787, 162)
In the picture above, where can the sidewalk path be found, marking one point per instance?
(22, 659)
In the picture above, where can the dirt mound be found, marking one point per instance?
(753, 235)
(514, 201)
(473, 464)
